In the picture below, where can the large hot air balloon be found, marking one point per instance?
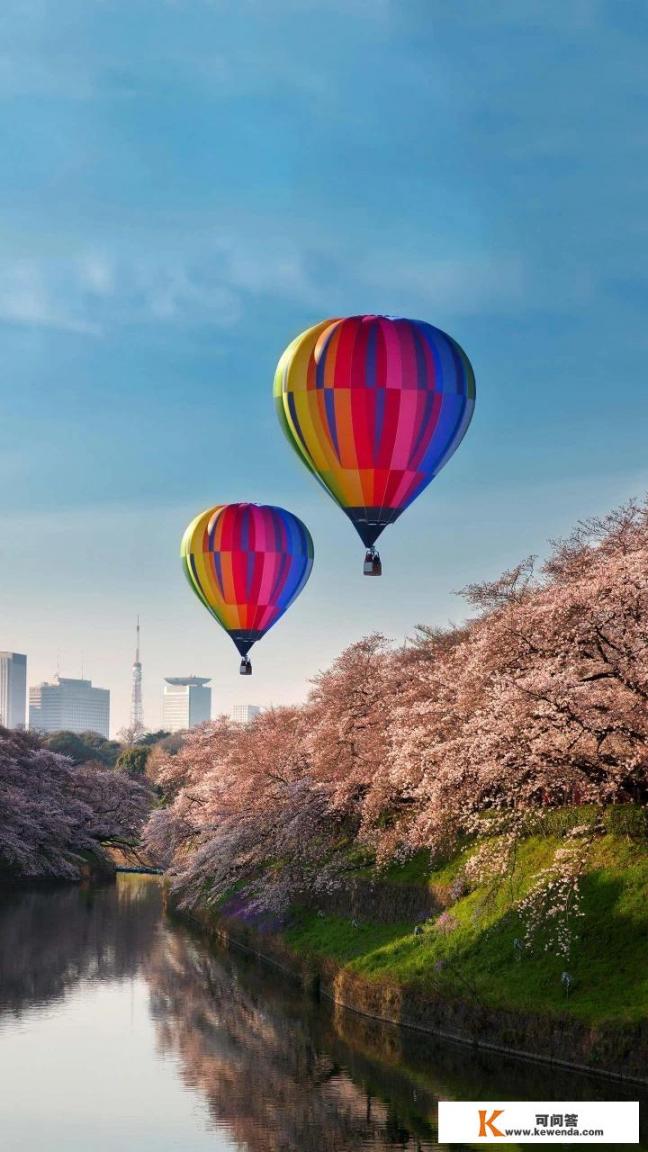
(247, 563)
(374, 406)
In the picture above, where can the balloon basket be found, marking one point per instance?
(372, 564)
(245, 668)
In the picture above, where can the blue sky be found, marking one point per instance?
(186, 185)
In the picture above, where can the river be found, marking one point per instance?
(121, 1031)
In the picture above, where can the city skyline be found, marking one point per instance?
(186, 702)
(16, 692)
(15, 695)
(150, 281)
(13, 689)
(68, 704)
(244, 713)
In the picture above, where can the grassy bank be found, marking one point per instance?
(464, 969)
(469, 951)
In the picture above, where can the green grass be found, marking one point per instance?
(477, 958)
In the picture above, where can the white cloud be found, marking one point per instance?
(28, 297)
(197, 272)
(461, 285)
(320, 273)
(22, 75)
(90, 294)
(177, 292)
(97, 274)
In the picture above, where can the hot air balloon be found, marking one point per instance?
(247, 563)
(374, 406)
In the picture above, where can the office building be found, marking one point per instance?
(13, 689)
(69, 705)
(186, 702)
(244, 713)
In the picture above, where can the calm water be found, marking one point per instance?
(121, 1031)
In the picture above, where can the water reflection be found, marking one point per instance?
(224, 1053)
(288, 1075)
(260, 1063)
(51, 938)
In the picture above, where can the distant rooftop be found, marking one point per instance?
(188, 681)
(65, 681)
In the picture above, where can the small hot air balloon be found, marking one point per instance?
(374, 406)
(247, 563)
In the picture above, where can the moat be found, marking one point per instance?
(121, 1029)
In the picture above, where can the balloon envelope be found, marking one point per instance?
(247, 563)
(374, 406)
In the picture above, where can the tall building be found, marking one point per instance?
(244, 713)
(186, 702)
(13, 689)
(69, 705)
(137, 709)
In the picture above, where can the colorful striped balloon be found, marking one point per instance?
(374, 406)
(247, 563)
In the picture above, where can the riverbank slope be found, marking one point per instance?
(422, 947)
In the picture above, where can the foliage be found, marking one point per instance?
(133, 760)
(151, 738)
(83, 748)
(52, 811)
(475, 732)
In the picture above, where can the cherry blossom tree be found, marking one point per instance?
(51, 810)
(538, 701)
